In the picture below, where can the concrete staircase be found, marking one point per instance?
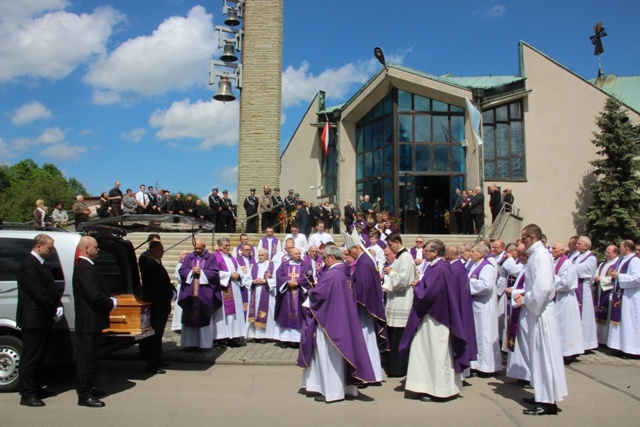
(174, 243)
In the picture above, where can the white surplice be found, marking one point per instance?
(230, 325)
(176, 320)
(483, 291)
(326, 373)
(545, 347)
(626, 336)
(270, 287)
(431, 369)
(566, 283)
(518, 360)
(586, 269)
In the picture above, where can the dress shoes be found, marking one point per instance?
(542, 409)
(319, 398)
(91, 402)
(31, 401)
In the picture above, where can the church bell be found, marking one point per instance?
(224, 92)
(232, 18)
(229, 53)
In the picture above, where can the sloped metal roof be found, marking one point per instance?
(624, 88)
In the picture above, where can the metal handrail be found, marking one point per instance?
(260, 212)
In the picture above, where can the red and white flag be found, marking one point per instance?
(324, 138)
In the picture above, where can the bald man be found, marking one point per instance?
(92, 305)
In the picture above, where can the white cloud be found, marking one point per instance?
(229, 174)
(51, 136)
(175, 56)
(20, 10)
(55, 145)
(41, 47)
(212, 122)
(29, 113)
(299, 85)
(106, 97)
(496, 11)
(63, 151)
(134, 135)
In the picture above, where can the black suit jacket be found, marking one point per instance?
(477, 204)
(156, 284)
(91, 294)
(38, 297)
(302, 219)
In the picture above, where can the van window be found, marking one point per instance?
(13, 251)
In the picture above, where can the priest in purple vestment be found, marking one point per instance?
(293, 279)
(435, 333)
(332, 349)
(200, 290)
(368, 292)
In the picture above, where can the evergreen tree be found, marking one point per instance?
(614, 214)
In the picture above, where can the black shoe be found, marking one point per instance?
(91, 402)
(425, 399)
(31, 401)
(545, 409)
(319, 398)
(529, 400)
(155, 371)
(43, 393)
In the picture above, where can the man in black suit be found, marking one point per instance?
(277, 207)
(93, 305)
(158, 290)
(39, 307)
(349, 214)
(251, 208)
(476, 209)
(302, 219)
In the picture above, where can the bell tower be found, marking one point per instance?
(261, 98)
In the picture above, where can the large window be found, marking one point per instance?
(503, 137)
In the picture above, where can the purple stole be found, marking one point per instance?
(318, 263)
(264, 243)
(514, 317)
(580, 290)
(602, 304)
(511, 280)
(244, 291)
(227, 294)
(616, 295)
(413, 250)
(475, 273)
(259, 320)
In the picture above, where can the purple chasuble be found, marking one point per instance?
(199, 304)
(259, 319)
(616, 295)
(580, 290)
(333, 307)
(288, 312)
(368, 292)
(514, 319)
(435, 295)
(264, 244)
(227, 293)
(465, 303)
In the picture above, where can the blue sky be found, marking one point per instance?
(119, 89)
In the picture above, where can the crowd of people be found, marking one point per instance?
(436, 315)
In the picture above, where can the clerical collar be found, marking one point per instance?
(432, 263)
(400, 252)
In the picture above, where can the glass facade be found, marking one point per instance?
(503, 137)
(405, 136)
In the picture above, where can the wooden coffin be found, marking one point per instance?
(130, 317)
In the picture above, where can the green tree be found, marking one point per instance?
(25, 182)
(614, 214)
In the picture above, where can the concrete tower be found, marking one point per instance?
(261, 99)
